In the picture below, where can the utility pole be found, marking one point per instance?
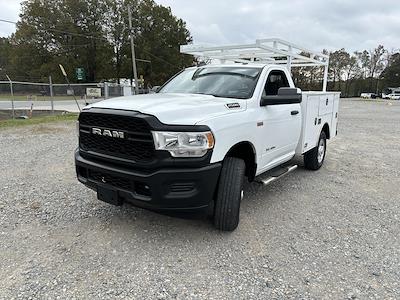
(133, 51)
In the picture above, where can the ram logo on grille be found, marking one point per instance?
(109, 133)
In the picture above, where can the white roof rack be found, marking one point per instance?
(264, 51)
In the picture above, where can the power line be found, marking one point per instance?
(7, 21)
(59, 31)
(88, 36)
(151, 54)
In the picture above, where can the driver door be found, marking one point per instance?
(281, 124)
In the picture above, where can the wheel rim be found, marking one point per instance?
(321, 150)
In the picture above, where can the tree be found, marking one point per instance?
(377, 61)
(352, 70)
(337, 64)
(376, 64)
(59, 31)
(118, 34)
(364, 58)
(5, 52)
(391, 75)
(94, 34)
(308, 78)
(158, 35)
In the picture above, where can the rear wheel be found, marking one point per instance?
(314, 158)
(229, 194)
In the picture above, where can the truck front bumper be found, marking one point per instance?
(164, 189)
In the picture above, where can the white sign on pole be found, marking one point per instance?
(127, 90)
(93, 92)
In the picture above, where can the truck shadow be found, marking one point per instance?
(257, 198)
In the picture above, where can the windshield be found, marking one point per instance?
(230, 82)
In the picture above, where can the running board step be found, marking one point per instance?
(276, 174)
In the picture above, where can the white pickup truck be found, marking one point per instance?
(192, 144)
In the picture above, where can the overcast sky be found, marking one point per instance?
(315, 24)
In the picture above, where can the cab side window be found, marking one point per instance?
(276, 80)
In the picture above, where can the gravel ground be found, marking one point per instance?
(331, 234)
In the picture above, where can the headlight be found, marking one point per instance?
(184, 144)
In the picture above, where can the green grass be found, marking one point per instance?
(7, 97)
(37, 120)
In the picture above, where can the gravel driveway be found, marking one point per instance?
(330, 234)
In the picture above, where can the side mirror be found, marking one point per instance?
(155, 89)
(285, 96)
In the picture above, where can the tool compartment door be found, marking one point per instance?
(326, 104)
(311, 129)
(335, 115)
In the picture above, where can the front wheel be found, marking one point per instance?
(229, 194)
(314, 158)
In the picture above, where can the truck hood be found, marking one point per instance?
(175, 109)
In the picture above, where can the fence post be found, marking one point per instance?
(51, 94)
(106, 90)
(12, 96)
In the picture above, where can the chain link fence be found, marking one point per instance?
(24, 99)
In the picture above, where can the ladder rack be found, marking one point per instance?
(263, 51)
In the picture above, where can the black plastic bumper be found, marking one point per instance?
(164, 189)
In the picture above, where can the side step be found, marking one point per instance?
(276, 174)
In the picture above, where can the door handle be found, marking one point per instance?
(294, 112)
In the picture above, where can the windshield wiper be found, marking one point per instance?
(196, 75)
(228, 96)
(222, 96)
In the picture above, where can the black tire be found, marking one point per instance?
(229, 194)
(311, 158)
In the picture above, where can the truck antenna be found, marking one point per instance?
(69, 85)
